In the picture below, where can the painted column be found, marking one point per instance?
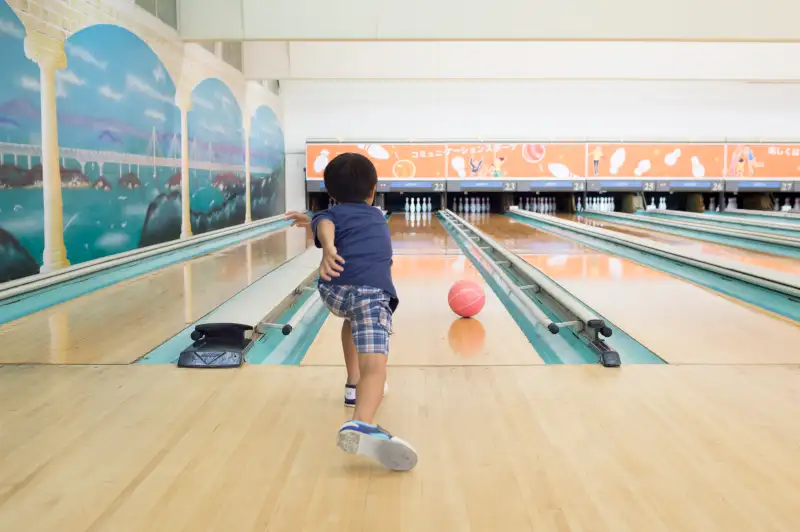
(185, 105)
(248, 213)
(49, 55)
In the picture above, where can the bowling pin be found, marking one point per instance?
(407, 207)
(652, 205)
(712, 205)
(797, 204)
(698, 170)
(578, 205)
(776, 204)
(520, 203)
(786, 206)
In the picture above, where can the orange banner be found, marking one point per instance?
(393, 161)
(763, 160)
(516, 161)
(656, 161)
(567, 160)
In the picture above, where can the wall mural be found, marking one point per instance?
(21, 202)
(119, 132)
(216, 155)
(267, 165)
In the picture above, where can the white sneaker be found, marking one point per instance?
(356, 437)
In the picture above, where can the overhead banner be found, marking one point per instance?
(517, 161)
(655, 161)
(392, 161)
(763, 161)
(525, 161)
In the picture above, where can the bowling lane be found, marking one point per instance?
(745, 256)
(426, 332)
(420, 234)
(122, 322)
(681, 322)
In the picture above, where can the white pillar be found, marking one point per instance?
(248, 213)
(185, 105)
(49, 55)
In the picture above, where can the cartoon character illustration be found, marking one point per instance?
(475, 166)
(597, 154)
(744, 158)
(496, 167)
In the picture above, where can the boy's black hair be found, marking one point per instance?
(350, 178)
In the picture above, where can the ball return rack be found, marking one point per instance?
(225, 345)
(536, 289)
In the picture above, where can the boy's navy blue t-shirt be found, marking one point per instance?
(362, 239)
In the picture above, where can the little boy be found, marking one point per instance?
(356, 284)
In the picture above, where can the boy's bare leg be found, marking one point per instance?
(370, 385)
(350, 354)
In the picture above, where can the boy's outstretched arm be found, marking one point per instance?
(331, 265)
(300, 219)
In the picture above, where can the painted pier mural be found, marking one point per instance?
(120, 137)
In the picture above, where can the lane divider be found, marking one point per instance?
(775, 291)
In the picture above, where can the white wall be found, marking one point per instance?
(574, 110)
(698, 20)
(706, 61)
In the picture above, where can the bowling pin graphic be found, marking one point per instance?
(560, 171)
(321, 161)
(698, 170)
(617, 160)
(459, 166)
(642, 168)
(672, 158)
(375, 151)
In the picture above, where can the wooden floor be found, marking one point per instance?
(528, 448)
(506, 443)
(651, 306)
(120, 323)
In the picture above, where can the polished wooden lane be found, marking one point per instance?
(156, 448)
(678, 320)
(122, 322)
(519, 236)
(426, 332)
(420, 234)
(745, 256)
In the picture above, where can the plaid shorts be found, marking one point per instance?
(367, 309)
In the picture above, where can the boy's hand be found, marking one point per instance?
(300, 219)
(331, 264)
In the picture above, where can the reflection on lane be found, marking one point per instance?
(122, 322)
(745, 256)
(420, 234)
(678, 320)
